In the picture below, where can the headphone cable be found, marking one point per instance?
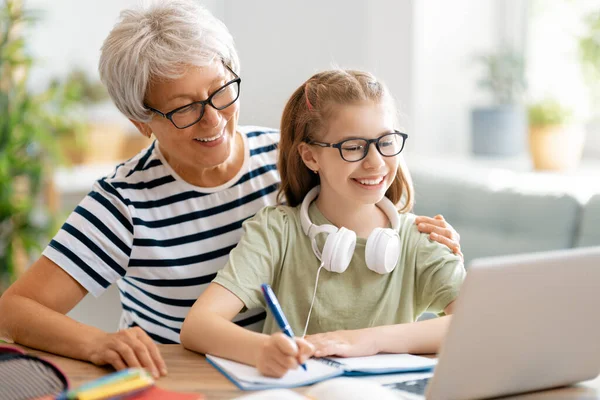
(313, 299)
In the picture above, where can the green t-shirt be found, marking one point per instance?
(275, 250)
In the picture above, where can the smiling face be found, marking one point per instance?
(354, 183)
(210, 144)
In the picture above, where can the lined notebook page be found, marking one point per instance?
(316, 371)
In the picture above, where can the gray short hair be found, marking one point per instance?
(159, 42)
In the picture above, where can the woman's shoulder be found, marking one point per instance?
(139, 164)
(145, 170)
(259, 135)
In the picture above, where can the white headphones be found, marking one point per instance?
(383, 245)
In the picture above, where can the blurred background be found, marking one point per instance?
(500, 98)
(433, 54)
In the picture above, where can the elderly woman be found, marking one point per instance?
(162, 223)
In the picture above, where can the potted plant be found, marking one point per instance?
(103, 122)
(30, 123)
(77, 146)
(499, 129)
(555, 140)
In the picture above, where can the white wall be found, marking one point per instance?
(281, 44)
(447, 37)
(391, 51)
(69, 35)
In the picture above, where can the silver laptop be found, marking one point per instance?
(522, 323)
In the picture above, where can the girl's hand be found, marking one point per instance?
(128, 348)
(280, 354)
(354, 343)
(440, 231)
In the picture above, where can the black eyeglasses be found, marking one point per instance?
(186, 116)
(355, 149)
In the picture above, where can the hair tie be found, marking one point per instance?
(310, 107)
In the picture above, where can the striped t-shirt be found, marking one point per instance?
(162, 239)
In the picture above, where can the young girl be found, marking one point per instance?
(340, 248)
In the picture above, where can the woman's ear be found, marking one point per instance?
(143, 127)
(308, 157)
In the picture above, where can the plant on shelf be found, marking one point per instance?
(499, 129)
(504, 75)
(547, 113)
(30, 123)
(90, 91)
(555, 141)
(75, 146)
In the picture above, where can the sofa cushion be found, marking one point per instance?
(495, 220)
(589, 231)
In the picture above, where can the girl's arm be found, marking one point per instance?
(422, 337)
(208, 329)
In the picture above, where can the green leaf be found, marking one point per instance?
(548, 112)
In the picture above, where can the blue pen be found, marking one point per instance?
(277, 312)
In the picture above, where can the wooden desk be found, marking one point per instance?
(190, 372)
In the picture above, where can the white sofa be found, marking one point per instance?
(500, 212)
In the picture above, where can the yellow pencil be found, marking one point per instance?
(118, 388)
(119, 376)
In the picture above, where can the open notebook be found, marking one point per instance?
(318, 369)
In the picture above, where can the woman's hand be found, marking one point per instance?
(350, 343)
(126, 349)
(280, 354)
(440, 231)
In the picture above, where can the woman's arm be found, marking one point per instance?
(32, 313)
(208, 329)
(422, 337)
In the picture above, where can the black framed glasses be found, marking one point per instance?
(355, 149)
(186, 116)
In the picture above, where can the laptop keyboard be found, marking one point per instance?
(416, 386)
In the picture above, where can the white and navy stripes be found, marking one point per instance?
(161, 239)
